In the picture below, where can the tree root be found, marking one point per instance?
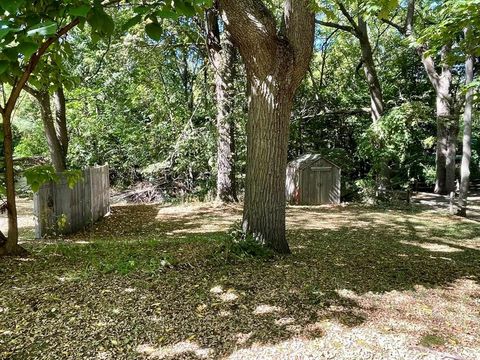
(17, 250)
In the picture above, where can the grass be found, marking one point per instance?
(153, 282)
(432, 340)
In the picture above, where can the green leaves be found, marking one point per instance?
(132, 22)
(450, 21)
(184, 8)
(39, 175)
(73, 177)
(102, 24)
(45, 29)
(11, 5)
(154, 31)
(81, 11)
(4, 66)
(27, 48)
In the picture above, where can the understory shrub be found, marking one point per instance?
(238, 245)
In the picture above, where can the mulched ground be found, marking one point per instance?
(152, 282)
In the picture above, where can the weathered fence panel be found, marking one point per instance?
(60, 209)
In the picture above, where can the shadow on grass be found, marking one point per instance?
(183, 290)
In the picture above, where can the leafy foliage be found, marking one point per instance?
(402, 133)
(39, 175)
(142, 99)
(237, 245)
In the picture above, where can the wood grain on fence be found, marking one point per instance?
(60, 209)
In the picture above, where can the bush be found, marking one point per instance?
(237, 245)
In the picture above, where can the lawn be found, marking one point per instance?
(156, 282)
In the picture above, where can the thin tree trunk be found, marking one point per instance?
(11, 247)
(222, 58)
(61, 120)
(374, 87)
(10, 244)
(377, 107)
(57, 152)
(359, 29)
(447, 124)
(276, 61)
(467, 140)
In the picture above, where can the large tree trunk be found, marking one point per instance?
(222, 58)
(467, 139)
(9, 245)
(267, 129)
(447, 123)
(276, 61)
(374, 87)
(57, 151)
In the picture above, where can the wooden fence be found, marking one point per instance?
(60, 209)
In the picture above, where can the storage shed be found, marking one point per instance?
(313, 180)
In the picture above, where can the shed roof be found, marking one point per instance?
(307, 160)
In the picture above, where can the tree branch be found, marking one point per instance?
(429, 66)
(253, 28)
(349, 17)
(400, 29)
(299, 22)
(31, 91)
(410, 18)
(407, 28)
(336, 26)
(32, 64)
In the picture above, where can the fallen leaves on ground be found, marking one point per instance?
(147, 282)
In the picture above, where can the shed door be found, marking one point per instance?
(317, 182)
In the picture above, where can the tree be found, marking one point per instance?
(222, 56)
(467, 138)
(55, 126)
(363, 11)
(276, 60)
(31, 53)
(28, 31)
(359, 29)
(447, 121)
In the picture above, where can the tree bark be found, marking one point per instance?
(467, 139)
(447, 124)
(276, 61)
(61, 120)
(267, 143)
(57, 151)
(222, 59)
(9, 245)
(374, 87)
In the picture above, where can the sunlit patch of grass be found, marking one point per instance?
(432, 340)
(111, 257)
